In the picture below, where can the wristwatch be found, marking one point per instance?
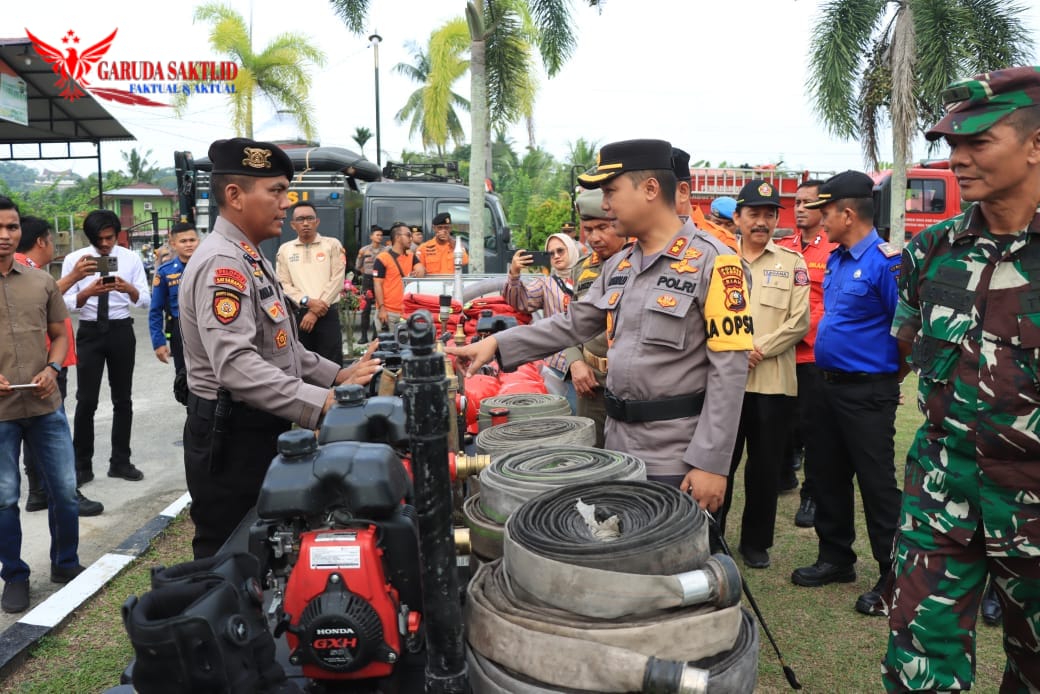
(303, 301)
(55, 365)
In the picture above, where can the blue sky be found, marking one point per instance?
(723, 80)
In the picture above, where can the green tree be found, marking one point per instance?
(499, 55)
(15, 176)
(139, 168)
(280, 72)
(361, 136)
(546, 218)
(872, 57)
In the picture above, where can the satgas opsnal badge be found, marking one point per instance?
(74, 65)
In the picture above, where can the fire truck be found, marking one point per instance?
(932, 192)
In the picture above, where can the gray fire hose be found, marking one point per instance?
(552, 556)
(485, 534)
(557, 652)
(520, 475)
(558, 431)
(523, 406)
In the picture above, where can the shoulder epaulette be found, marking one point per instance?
(888, 250)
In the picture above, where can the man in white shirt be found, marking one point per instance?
(105, 337)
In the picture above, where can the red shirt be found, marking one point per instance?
(70, 356)
(815, 254)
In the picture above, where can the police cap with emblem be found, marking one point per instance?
(442, 218)
(847, 184)
(758, 193)
(241, 156)
(628, 155)
(975, 105)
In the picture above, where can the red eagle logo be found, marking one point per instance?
(73, 66)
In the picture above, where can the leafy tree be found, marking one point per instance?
(280, 72)
(546, 218)
(17, 177)
(872, 57)
(139, 168)
(501, 76)
(361, 136)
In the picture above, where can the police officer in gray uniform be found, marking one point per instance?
(249, 376)
(675, 310)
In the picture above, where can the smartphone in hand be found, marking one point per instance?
(540, 258)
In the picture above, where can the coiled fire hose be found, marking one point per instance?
(558, 431)
(523, 406)
(519, 475)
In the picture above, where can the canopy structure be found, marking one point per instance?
(53, 121)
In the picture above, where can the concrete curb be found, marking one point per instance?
(17, 639)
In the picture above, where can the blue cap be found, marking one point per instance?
(724, 207)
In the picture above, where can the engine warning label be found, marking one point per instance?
(336, 557)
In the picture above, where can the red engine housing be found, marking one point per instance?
(343, 614)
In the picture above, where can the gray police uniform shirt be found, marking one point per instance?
(238, 334)
(678, 326)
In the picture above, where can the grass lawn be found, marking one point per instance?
(831, 647)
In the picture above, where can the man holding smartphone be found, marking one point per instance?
(105, 337)
(31, 411)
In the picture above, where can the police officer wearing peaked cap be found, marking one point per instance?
(241, 345)
(859, 364)
(674, 306)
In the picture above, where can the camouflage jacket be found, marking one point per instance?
(970, 303)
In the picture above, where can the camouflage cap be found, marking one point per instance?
(589, 204)
(975, 105)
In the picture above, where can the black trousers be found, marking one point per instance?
(222, 491)
(173, 329)
(857, 441)
(764, 428)
(809, 418)
(95, 350)
(368, 288)
(326, 337)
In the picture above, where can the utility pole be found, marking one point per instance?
(375, 39)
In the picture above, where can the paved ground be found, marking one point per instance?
(156, 450)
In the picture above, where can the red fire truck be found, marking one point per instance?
(932, 192)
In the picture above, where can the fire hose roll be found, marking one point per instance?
(552, 556)
(524, 406)
(558, 431)
(521, 653)
(520, 475)
(485, 535)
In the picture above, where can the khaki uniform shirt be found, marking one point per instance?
(238, 335)
(680, 325)
(29, 302)
(780, 309)
(314, 270)
(584, 274)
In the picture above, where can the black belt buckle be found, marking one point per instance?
(614, 405)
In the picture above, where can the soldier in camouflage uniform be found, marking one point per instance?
(969, 318)
(587, 363)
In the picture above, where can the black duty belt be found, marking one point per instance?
(854, 377)
(241, 414)
(653, 410)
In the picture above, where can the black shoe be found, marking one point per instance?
(872, 603)
(88, 507)
(796, 460)
(821, 573)
(754, 558)
(788, 481)
(992, 612)
(16, 597)
(36, 501)
(82, 477)
(806, 516)
(64, 575)
(126, 471)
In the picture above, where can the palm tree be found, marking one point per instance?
(361, 136)
(500, 74)
(138, 167)
(280, 71)
(896, 56)
(431, 109)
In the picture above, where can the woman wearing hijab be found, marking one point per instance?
(552, 294)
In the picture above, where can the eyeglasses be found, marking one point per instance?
(305, 218)
(558, 251)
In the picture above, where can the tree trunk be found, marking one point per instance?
(904, 116)
(900, 148)
(480, 134)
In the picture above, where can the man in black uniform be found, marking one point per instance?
(241, 346)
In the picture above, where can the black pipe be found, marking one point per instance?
(426, 405)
